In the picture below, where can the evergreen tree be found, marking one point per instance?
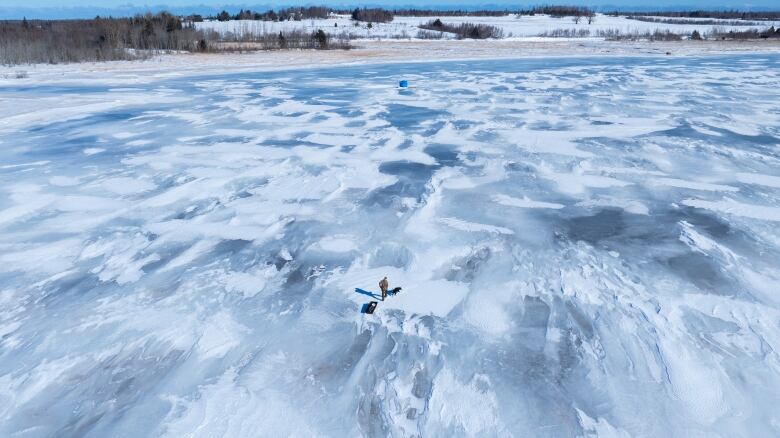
(321, 38)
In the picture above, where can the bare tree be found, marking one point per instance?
(104, 39)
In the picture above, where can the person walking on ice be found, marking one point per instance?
(383, 285)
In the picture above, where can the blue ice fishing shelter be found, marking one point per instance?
(403, 84)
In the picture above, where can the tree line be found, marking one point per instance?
(732, 14)
(98, 39)
(465, 30)
(554, 11)
(288, 14)
(376, 15)
(107, 39)
(699, 21)
(747, 34)
(381, 15)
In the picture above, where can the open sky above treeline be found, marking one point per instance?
(11, 9)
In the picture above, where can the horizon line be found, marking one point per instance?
(90, 11)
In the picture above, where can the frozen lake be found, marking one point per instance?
(586, 247)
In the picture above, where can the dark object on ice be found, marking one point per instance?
(394, 291)
(403, 84)
(383, 285)
(371, 307)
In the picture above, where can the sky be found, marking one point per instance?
(88, 8)
(418, 3)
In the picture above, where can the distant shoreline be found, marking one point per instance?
(365, 52)
(28, 42)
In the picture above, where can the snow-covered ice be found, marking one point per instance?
(587, 247)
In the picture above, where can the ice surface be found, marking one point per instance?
(587, 247)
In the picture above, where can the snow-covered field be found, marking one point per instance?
(587, 247)
(512, 25)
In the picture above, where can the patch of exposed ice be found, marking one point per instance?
(632, 206)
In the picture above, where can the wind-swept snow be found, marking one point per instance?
(586, 247)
